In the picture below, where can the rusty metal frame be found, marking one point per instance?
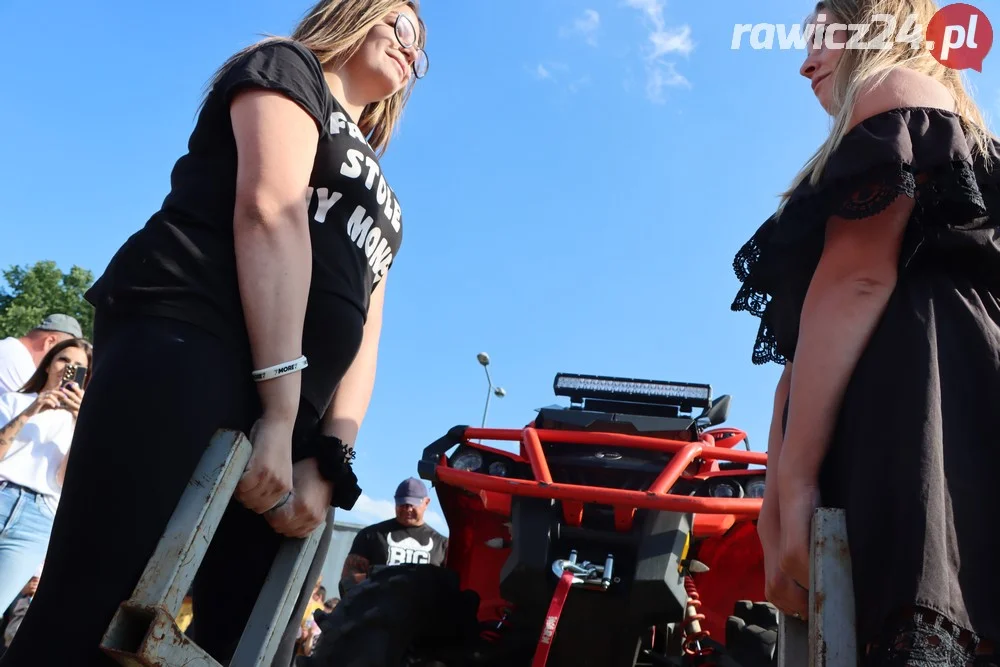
(276, 601)
(829, 638)
(143, 632)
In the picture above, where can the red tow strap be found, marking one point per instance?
(552, 619)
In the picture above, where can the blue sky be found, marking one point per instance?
(575, 177)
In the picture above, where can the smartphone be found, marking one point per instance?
(76, 374)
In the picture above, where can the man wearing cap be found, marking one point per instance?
(19, 357)
(402, 539)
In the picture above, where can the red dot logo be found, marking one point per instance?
(959, 36)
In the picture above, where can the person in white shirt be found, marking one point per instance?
(36, 431)
(19, 357)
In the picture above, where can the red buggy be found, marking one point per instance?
(622, 533)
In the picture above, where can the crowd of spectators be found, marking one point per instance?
(43, 376)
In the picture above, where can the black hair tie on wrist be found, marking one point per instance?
(334, 460)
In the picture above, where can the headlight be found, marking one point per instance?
(499, 468)
(725, 489)
(467, 461)
(755, 489)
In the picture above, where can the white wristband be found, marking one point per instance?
(280, 369)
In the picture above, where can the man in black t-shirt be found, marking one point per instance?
(403, 539)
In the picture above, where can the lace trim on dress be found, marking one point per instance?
(952, 190)
(922, 637)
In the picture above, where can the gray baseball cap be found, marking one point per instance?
(61, 323)
(411, 492)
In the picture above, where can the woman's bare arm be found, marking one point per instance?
(775, 434)
(61, 470)
(10, 430)
(848, 294)
(850, 289)
(350, 403)
(46, 401)
(276, 144)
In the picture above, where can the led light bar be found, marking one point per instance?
(579, 387)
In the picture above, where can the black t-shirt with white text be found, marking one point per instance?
(182, 263)
(391, 543)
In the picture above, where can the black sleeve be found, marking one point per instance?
(921, 153)
(362, 544)
(283, 66)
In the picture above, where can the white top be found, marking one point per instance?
(16, 365)
(38, 449)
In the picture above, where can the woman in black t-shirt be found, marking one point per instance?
(270, 253)
(878, 287)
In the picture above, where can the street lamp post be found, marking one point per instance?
(499, 392)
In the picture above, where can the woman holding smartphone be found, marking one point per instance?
(251, 300)
(36, 430)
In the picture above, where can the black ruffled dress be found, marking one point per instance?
(915, 458)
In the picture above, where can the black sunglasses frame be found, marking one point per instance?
(413, 44)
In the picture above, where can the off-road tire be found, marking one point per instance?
(403, 615)
(752, 634)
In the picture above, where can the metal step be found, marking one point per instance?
(828, 639)
(143, 631)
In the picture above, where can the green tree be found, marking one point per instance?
(32, 292)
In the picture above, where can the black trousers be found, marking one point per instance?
(160, 390)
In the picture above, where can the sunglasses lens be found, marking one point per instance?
(421, 65)
(405, 32)
(407, 36)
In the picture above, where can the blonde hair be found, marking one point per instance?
(334, 31)
(859, 68)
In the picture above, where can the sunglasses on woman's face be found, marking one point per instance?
(406, 35)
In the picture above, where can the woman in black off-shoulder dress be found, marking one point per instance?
(878, 287)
